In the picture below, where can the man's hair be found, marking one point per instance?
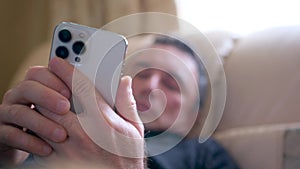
(203, 78)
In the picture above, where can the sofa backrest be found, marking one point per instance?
(263, 78)
(261, 121)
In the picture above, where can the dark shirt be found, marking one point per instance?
(191, 154)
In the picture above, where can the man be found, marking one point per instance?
(170, 72)
(165, 84)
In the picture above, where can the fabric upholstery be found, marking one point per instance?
(263, 79)
(262, 106)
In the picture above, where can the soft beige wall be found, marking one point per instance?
(22, 26)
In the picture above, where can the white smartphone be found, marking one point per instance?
(97, 53)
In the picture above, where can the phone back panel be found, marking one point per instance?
(100, 58)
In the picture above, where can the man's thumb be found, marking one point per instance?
(126, 104)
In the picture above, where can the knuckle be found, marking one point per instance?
(28, 84)
(33, 72)
(132, 107)
(16, 92)
(68, 123)
(2, 108)
(8, 136)
(3, 112)
(25, 86)
(7, 95)
(5, 137)
(14, 113)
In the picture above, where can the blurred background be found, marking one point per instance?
(27, 24)
(239, 16)
(258, 41)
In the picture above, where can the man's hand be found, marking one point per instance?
(98, 136)
(17, 116)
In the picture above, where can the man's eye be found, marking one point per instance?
(171, 84)
(143, 74)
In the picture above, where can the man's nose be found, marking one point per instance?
(153, 81)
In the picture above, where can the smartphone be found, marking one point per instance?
(97, 53)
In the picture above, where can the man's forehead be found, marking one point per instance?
(175, 63)
(157, 57)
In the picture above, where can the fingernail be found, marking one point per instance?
(59, 135)
(46, 150)
(63, 106)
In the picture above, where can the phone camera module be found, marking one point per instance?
(77, 59)
(78, 47)
(62, 52)
(64, 35)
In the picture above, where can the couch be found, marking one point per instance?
(260, 126)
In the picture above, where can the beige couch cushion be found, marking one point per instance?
(263, 78)
(263, 147)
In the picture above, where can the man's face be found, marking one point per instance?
(165, 88)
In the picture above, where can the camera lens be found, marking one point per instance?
(64, 35)
(77, 59)
(62, 52)
(78, 47)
